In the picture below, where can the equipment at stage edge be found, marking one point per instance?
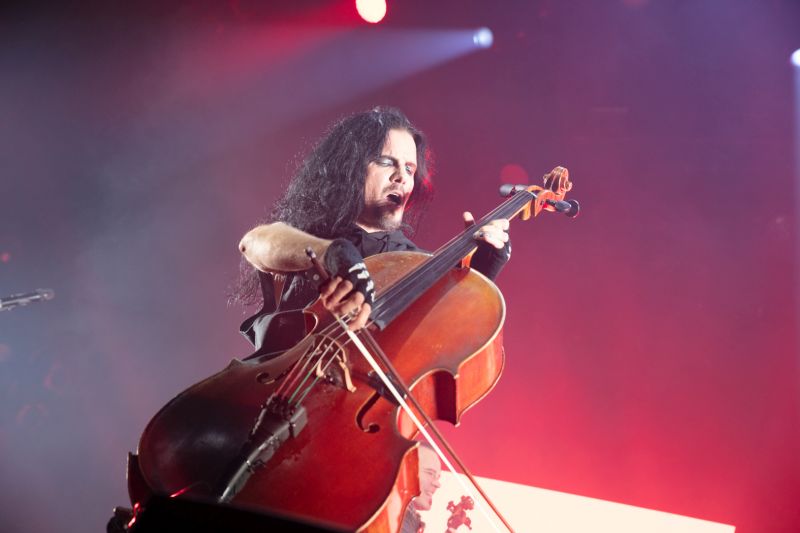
(18, 300)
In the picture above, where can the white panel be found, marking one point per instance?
(531, 509)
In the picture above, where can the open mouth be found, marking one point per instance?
(395, 198)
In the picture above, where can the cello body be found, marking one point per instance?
(353, 465)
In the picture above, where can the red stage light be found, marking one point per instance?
(372, 11)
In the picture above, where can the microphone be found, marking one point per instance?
(571, 208)
(16, 300)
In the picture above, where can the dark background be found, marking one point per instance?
(652, 342)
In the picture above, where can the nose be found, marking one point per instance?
(400, 176)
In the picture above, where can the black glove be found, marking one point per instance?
(489, 260)
(343, 259)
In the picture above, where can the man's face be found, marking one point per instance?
(389, 182)
(430, 470)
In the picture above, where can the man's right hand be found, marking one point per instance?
(351, 292)
(338, 298)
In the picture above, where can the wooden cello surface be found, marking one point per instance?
(353, 464)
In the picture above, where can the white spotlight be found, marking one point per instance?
(483, 37)
(372, 11)
(796, 58)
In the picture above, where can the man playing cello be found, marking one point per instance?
(362, 185)
(254, 434)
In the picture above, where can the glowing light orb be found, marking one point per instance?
(372, 11)
(483, 37)
(796, 58)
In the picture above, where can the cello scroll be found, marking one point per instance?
(550, 196)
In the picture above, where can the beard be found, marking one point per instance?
(391, 222)
(382, 218)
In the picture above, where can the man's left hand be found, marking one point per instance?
(494, 233)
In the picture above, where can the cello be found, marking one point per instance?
(317, 431)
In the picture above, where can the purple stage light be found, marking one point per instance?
(796, 58)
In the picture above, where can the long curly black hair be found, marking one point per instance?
(326, 195)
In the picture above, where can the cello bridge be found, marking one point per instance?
(332, 364)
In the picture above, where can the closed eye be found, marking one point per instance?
(388, 161)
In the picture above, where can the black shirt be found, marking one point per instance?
(278, 325)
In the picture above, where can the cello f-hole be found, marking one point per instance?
(371, 427)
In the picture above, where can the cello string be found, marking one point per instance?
(390, 386)
(331, 343)
(316, 380)
(401, 286)
(304, 372)
(508, 209)
(296, 370)
(316, 347)
(345, 320)
(320, 374)
(308, 374)
(448, 254)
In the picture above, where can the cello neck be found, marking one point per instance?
(403, 293)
